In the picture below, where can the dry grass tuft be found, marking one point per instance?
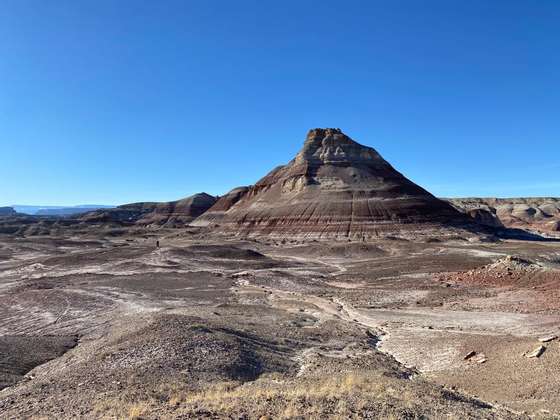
(345, 395)
(287, 398)
(137, 410)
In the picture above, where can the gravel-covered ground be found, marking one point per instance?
(113, 327)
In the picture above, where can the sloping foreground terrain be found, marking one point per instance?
(114, 327)
(333, 188)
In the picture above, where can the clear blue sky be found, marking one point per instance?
(108, 102)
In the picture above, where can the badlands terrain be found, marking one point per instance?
(332, 288)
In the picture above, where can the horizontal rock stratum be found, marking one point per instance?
(334, 187)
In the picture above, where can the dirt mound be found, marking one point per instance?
(506, 271)
(338, 250)
(168, 349)
(208, 352)
(16, 359)
(178, 213)
(510, 263)
(227, 252)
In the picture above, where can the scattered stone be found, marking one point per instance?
(548, 338)
(536, 353)
(240, 274)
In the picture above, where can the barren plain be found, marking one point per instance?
(97, 326)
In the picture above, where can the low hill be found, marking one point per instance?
(170, 214)
(540, 214)
(7, 211)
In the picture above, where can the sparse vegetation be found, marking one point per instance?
(347, 395)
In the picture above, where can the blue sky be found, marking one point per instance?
(109, 102)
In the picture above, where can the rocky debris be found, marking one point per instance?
(538, 214)
(241, 274)
(536, 353)
(475, 357)
(504, 271)
(333, 188)
(510, 263)
(548, 338)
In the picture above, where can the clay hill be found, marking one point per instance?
(169, 214)
(334, 187)
(536, 214)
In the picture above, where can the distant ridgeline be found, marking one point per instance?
(7, 211)
(333, 188)
(58, 210)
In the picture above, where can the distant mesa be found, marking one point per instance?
(7, 211)
(68, 211)
(334, 187)
(58, 211)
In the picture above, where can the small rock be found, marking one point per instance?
(548, 338)
(537, 352)
(470, 355)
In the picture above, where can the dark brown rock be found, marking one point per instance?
(215, 214)
(170, 214)
(179, 213)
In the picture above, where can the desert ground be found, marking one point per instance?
(97, 326)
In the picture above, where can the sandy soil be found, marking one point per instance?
(115, 327)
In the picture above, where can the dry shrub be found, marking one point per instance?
(227, 397)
